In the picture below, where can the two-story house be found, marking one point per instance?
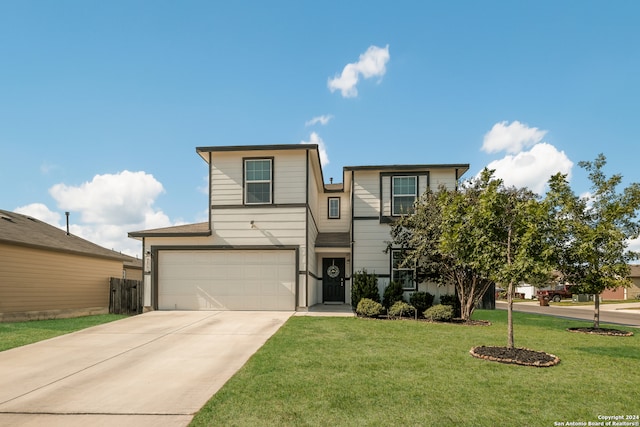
(278, 237)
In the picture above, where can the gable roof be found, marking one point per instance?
(27, 231)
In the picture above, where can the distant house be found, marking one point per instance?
(48, 273)
(633, 292)
(279, 238)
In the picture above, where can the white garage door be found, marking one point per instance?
(226, 280)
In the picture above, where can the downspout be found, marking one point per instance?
(209, 203)
(351, 241)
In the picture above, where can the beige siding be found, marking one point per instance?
(370, 237)
(366, 197)
(40, 280)
(333, 225)
(439, 177)
(289, 176)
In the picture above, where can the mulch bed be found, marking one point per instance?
(515, 356)
(602, 331)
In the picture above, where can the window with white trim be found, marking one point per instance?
(334, 207)
(258, 180)
(401, 273)
(404, 191)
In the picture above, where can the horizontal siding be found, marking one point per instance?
(440, 177)
(38, 280)
(370, 239)
(327, 225)
(366, 187)
(289, 176)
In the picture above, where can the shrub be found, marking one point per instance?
(401, 309)
(439, 313)
(369, 308)
(392, 293)
(453, 301)
(364, 286)
(421, 301)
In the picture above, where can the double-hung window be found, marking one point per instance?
(258, 181)
(404, 191)
(402, 272)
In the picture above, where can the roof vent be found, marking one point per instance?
(6, 218)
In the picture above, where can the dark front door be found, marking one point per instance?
(333, 280)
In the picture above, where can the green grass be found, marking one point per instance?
(16, 334)
(320, 371)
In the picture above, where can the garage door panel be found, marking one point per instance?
(226, 280)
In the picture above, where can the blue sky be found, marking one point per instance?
(103, 103)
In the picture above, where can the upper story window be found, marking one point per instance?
(334, 207)
(258, 181)
(404, 191)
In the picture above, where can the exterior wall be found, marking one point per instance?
(41, 280)
(633, 292)
(613, 294)
(289, 176)
(133, 273)
(366, 194)
(371, 193)
(333, 225)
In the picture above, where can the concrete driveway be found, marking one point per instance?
(157, 368)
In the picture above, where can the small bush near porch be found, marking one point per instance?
(319, 371)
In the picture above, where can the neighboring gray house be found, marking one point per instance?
(46, 272)
(278, 237)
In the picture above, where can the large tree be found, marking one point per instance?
(421, 234)
(592, 232)
(499, 232)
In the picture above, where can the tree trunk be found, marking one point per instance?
(510, 316)
(596, 312)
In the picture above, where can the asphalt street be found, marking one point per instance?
(627, 314)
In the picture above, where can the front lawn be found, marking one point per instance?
(15, 334)
(321, 371)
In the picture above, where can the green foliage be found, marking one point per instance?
(392, 293)
(453, 302)
(597, 229)
(401, 309)
(439, 313)
(369, 308)
(365, 285)
(421, 301)
(424, 232)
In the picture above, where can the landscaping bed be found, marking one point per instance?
(516, 356)
(602, 331)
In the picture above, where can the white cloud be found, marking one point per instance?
(314, 138)
(123, 198)
(323, 120)
(511, 138)
(41, 212)
(533, 168)
(372, 63)
(109, 207)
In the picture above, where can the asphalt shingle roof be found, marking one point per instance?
(24, 230)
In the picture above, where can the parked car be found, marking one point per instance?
(555, 294)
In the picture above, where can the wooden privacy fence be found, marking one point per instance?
(125, 296)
